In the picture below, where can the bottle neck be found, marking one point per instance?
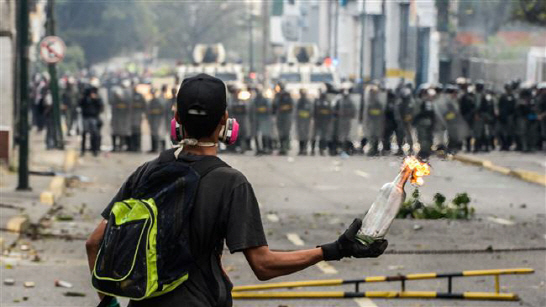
(402, 178)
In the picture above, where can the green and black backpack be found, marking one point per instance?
(145, 250)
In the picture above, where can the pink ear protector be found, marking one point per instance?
(228, 134)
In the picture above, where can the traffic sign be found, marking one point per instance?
(52, 49)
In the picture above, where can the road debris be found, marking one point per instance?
(9, 281)
(500, 221)
(29, 284)
(74, 294)
(64, 217)
(62, 284)
(417, 227)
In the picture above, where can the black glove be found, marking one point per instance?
(348, 246)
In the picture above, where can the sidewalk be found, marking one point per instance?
(530, 167)
(19, 210)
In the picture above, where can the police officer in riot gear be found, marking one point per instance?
(91, 107)
(482, 113)
(375, 118)
(155, 113)
(346, 113)
(505, 118)
(304, 110)
(138, 109)
(120, 124)
(323, 121)
(391, 125)
(527, 123)
(404, 116)
(457, 130)
(70, 103)
(424, 121)
(283, 106)
(263, 123)
(467, 106)
(240, 110)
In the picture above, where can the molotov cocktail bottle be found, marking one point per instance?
(377, 221)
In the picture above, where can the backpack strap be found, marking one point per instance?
(202, 167)
(207, 165)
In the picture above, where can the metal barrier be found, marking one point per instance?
(242, 292)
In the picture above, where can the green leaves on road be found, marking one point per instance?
(457, 209)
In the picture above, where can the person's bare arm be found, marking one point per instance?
(92, 246)
(268, 264)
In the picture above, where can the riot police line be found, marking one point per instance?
(431, 119)
(464, 115)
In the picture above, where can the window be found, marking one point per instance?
(290, 77)
(322, 77)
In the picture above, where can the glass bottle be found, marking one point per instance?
(377, 221)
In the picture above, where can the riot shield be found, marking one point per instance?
(374, 113)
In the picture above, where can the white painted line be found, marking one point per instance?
(295, 239)
(326, 268)
(272, 217)
(501, 221)
(362, 174)
(364, 302)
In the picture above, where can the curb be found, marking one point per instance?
(18, 224)
(528, 176)
(70, 160)
(58, 183)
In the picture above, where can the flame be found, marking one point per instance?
(419, 170)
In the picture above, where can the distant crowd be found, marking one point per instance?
(447, 118)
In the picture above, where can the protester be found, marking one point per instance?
(225, 208)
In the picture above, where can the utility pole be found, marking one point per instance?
(22, 63)
(53, 81)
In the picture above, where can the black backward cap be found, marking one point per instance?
(201, 98)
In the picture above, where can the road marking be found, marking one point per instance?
(295, 239)
(364, 302)
(326, 268)
(362, 174)
(272, 217)
(501, 221)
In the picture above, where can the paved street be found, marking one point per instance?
(307, 201)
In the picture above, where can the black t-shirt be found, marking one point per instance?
(225, 209)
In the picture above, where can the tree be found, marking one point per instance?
(108, 28)
(532, 11)
(104, 29)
